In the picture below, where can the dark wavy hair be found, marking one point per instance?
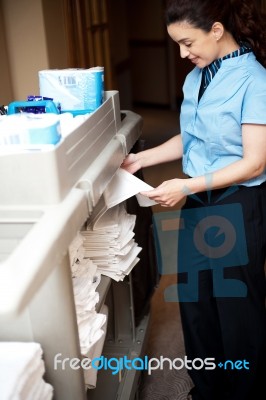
(239, 17)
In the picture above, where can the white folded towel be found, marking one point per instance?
(89, 327)
(21, 371)
(95, 351)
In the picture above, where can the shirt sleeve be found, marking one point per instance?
(254, 101)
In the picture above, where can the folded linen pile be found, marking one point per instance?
(95, 353)
(21, 372)
(91, 325)
(85, 279)
(109, 242)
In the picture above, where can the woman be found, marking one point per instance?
(223, 237)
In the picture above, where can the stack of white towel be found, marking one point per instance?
(85, 278)
(109, 242)
(91, 325)
(86, 298)
(21, 372)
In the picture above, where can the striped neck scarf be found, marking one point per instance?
(210, 71)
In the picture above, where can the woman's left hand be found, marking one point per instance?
(168, 193)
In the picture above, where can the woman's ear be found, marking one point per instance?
(217, 30)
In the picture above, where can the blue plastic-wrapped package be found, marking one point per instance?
(29, 131)
(78, 90)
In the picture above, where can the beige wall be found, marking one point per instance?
(26, 44)
(6, 94)
(31, 27)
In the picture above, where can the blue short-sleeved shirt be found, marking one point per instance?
(211, 128)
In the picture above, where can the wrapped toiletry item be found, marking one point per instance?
(29, 130)
(78, 90)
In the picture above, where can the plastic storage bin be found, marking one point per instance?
(45, 177)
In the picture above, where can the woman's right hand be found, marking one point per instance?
(131, 163)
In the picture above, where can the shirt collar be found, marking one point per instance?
(210, 70)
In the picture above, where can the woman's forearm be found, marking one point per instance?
(170, 150)
(171, 192)
(233, 174)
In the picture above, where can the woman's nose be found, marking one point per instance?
(184, 52)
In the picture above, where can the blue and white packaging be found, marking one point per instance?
(29, 131)
(78, 90)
